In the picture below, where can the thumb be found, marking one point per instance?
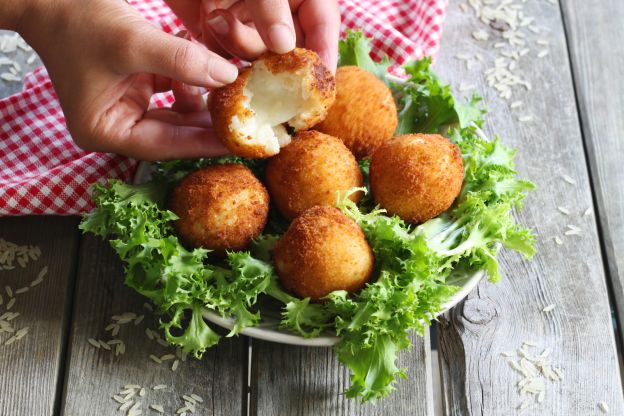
(180, 59)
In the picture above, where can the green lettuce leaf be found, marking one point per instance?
(416, 267)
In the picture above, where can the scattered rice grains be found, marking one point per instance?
(535, 370)
(128, 393)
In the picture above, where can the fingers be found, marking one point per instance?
(235, 37)
(152, 139)
(156, 52)
(188, 98)
(186, 10)
(192, 119)
(274, 22)
(320, 21)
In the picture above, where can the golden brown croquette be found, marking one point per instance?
(221, 207)
(252, 115)
(416, 176)
(323, 251)
(364, 114)
(311, 171)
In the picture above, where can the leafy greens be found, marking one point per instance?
(415, 266)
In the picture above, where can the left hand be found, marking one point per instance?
(247, 28)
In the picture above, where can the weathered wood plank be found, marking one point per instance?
(94, 375)
(31, 368)
(498, 318)
(292, 381)
(595, 38)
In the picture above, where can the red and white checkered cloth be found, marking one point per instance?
(42, 171)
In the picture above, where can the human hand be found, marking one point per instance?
(106, 61)
(245, 28)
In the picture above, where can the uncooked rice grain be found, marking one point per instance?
(21, 290)
(167, 357)
(159, 387)
(549, 308)
(603, 407)
(126, 405)
(36, 281)
(175, 365)
(157, 407)
(197, 398)
(563, 210)
(568, 179)
(558, 240)
(9, 291)
(10, 304)
(162, 342)
(155, 359)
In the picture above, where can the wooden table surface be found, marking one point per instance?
(570, 146)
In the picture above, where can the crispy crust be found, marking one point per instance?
(321, 79)
(310, 171)
(416, 176)
(226, 102)
(221, 207)
(323, 251)
(364, 114)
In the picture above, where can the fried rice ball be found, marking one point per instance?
(364, 114)
(220, 207)
(416, 176)
(254, 115)
(311, 171)
(322, 251)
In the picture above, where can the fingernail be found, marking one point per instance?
(219, 25)
(282, 38)
(225, 73)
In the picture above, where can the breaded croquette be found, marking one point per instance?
(311, 171)
(364, 114)
(323, 251)
(254, 116)
(416, 176)
(220, 207)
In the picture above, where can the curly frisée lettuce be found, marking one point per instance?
(178, 281)
(415, 266)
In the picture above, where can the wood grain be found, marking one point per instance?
(499, 317)
(288, 380)
(94, 375)
(31, 368)
(595, 38)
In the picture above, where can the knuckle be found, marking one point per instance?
(184, 57)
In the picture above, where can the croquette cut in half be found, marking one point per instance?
(322, 251)
(416, 176)
(254, 116)
(220, 207)
(364, 114)
(311, 171)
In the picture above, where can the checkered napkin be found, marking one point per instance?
(42, 171)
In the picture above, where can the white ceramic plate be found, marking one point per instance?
(269, 330)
